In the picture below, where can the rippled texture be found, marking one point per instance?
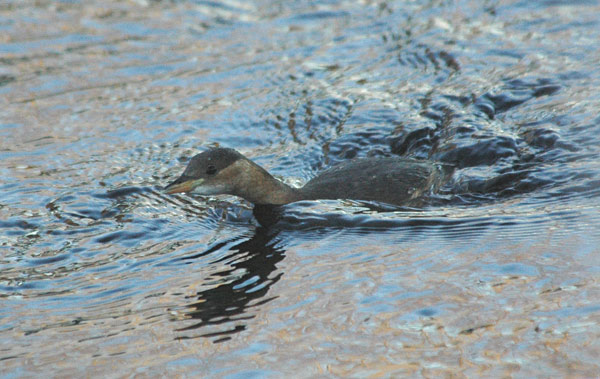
(103, 103)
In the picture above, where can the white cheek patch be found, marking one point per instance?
(209, 189)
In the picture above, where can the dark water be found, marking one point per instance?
(104, 102)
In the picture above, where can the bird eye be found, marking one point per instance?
(211, 170)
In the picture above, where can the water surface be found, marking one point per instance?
(103, 103)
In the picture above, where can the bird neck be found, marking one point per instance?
(259, 187)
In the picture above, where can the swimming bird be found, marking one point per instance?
(391, 180)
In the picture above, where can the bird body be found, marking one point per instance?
(392, 180)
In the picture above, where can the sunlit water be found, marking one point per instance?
(104, 102)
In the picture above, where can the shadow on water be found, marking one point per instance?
(231, 301)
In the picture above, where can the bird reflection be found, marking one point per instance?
(230, 303)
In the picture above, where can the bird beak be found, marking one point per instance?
(182, 184)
